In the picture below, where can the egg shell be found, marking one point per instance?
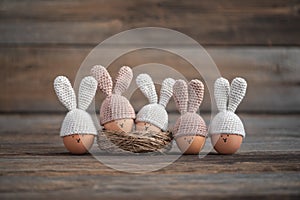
(226, 143)
(190, 144)
(78, 143)
(123, 125)
(145, 126)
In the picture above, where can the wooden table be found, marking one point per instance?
(34, 164)
(257, 40)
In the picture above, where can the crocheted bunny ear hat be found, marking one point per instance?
(155, 112)
(226, 121)
(115, 106)
(77, 120)
(188, 99)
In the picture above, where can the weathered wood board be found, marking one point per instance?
(34, 163)
(258, 40)
(54, 37)
(27, 74)
(233, 22)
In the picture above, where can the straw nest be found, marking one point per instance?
(135, 142)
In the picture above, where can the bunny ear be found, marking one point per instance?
(237, 93)
(196, 92)
(147, 87)
(181, 97)
(123, 80)
(65, 92)
(87, 91)
(104, 80)
(221, 91)
(166, 91)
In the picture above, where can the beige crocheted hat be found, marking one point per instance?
(155, 112)
(77, 120)
(226, 121)
(115, 106)
(188, 99)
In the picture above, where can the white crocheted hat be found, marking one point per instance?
(226, 121)
(115, 106)
(188, 99)
(77, 120)
(155, 112)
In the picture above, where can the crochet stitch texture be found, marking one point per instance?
(115, 106)
(188, 99)
(155, 112)
(226, 121)
(77, 120)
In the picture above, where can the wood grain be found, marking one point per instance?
(210, 23)
(34, 163)
(272, 74)
(42, 128)
(258, 40)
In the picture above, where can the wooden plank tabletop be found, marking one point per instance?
(255, 39)
(35, 164)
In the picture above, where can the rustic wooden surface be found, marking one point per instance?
(256, 39)
(34, 163)
(272, 75)
(215, 22)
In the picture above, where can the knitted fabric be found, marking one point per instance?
(65, 92)
(155, 112)
(190, 124)
(188, 99)
(77, 120)
(115, 106)
(226, 121)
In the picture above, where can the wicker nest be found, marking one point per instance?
(135, 142)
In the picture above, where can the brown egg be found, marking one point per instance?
(145, 126)
(190, 144)
(226, 143)
(124, 125)
(78, 143)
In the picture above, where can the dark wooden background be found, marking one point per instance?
(255, 39)
(258, 40)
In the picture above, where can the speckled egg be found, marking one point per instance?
(144, 126)
(124, 125)
(78, 143)
(226, 143)
(190, 144)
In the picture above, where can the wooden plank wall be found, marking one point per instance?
(255, 39)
